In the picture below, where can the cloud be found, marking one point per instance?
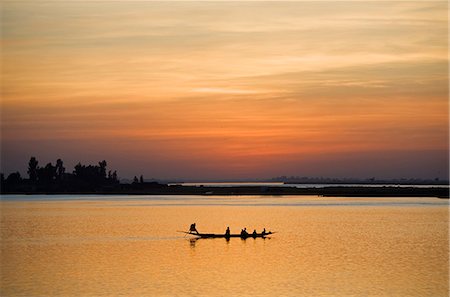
(170, 79)
(224, 91)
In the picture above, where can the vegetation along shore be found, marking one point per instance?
(96, 179)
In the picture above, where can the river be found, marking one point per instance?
(124, 245)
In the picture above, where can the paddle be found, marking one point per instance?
(185, 233)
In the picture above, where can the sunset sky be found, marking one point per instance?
(227, 89)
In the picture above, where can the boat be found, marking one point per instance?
(243, 236)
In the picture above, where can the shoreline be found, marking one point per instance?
(338, 191)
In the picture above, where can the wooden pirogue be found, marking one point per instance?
(243, 236)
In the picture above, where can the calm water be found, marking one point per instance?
(128, 246)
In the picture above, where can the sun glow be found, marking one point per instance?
(219, 89)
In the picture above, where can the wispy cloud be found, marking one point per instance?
(225, 91)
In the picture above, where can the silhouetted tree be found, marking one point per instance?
(46, 174)
(14, 178)
(2, 178)
(114, 176)
(102, 168)
(135, 180)
(59, 169)
(40, 172)
(94, 175)
(78, 170)
(32, 169)
(141, 179)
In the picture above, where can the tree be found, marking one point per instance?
(78, 170)
(46, 174)
(59, 169)
(141, 179)
(102, 168)
(14, 178)
(114, 176)
(2, 181)
(32, 169)
(94, 175)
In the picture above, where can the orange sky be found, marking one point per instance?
(228, 89)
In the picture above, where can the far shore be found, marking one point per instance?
(334, 191)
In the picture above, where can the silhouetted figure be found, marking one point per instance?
(244, 232)
(192, 229)
(141, 179)
(254, 233)
(264, 231)
(227, 232)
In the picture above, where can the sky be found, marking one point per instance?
(227, 89)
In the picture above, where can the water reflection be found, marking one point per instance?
(193, 241)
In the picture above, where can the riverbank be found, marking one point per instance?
(335, 191)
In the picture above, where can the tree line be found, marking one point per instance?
(54, 177)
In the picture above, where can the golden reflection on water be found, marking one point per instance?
(131, 248)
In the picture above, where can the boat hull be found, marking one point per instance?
(211, 235)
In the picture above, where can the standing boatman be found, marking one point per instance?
(192, 229)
